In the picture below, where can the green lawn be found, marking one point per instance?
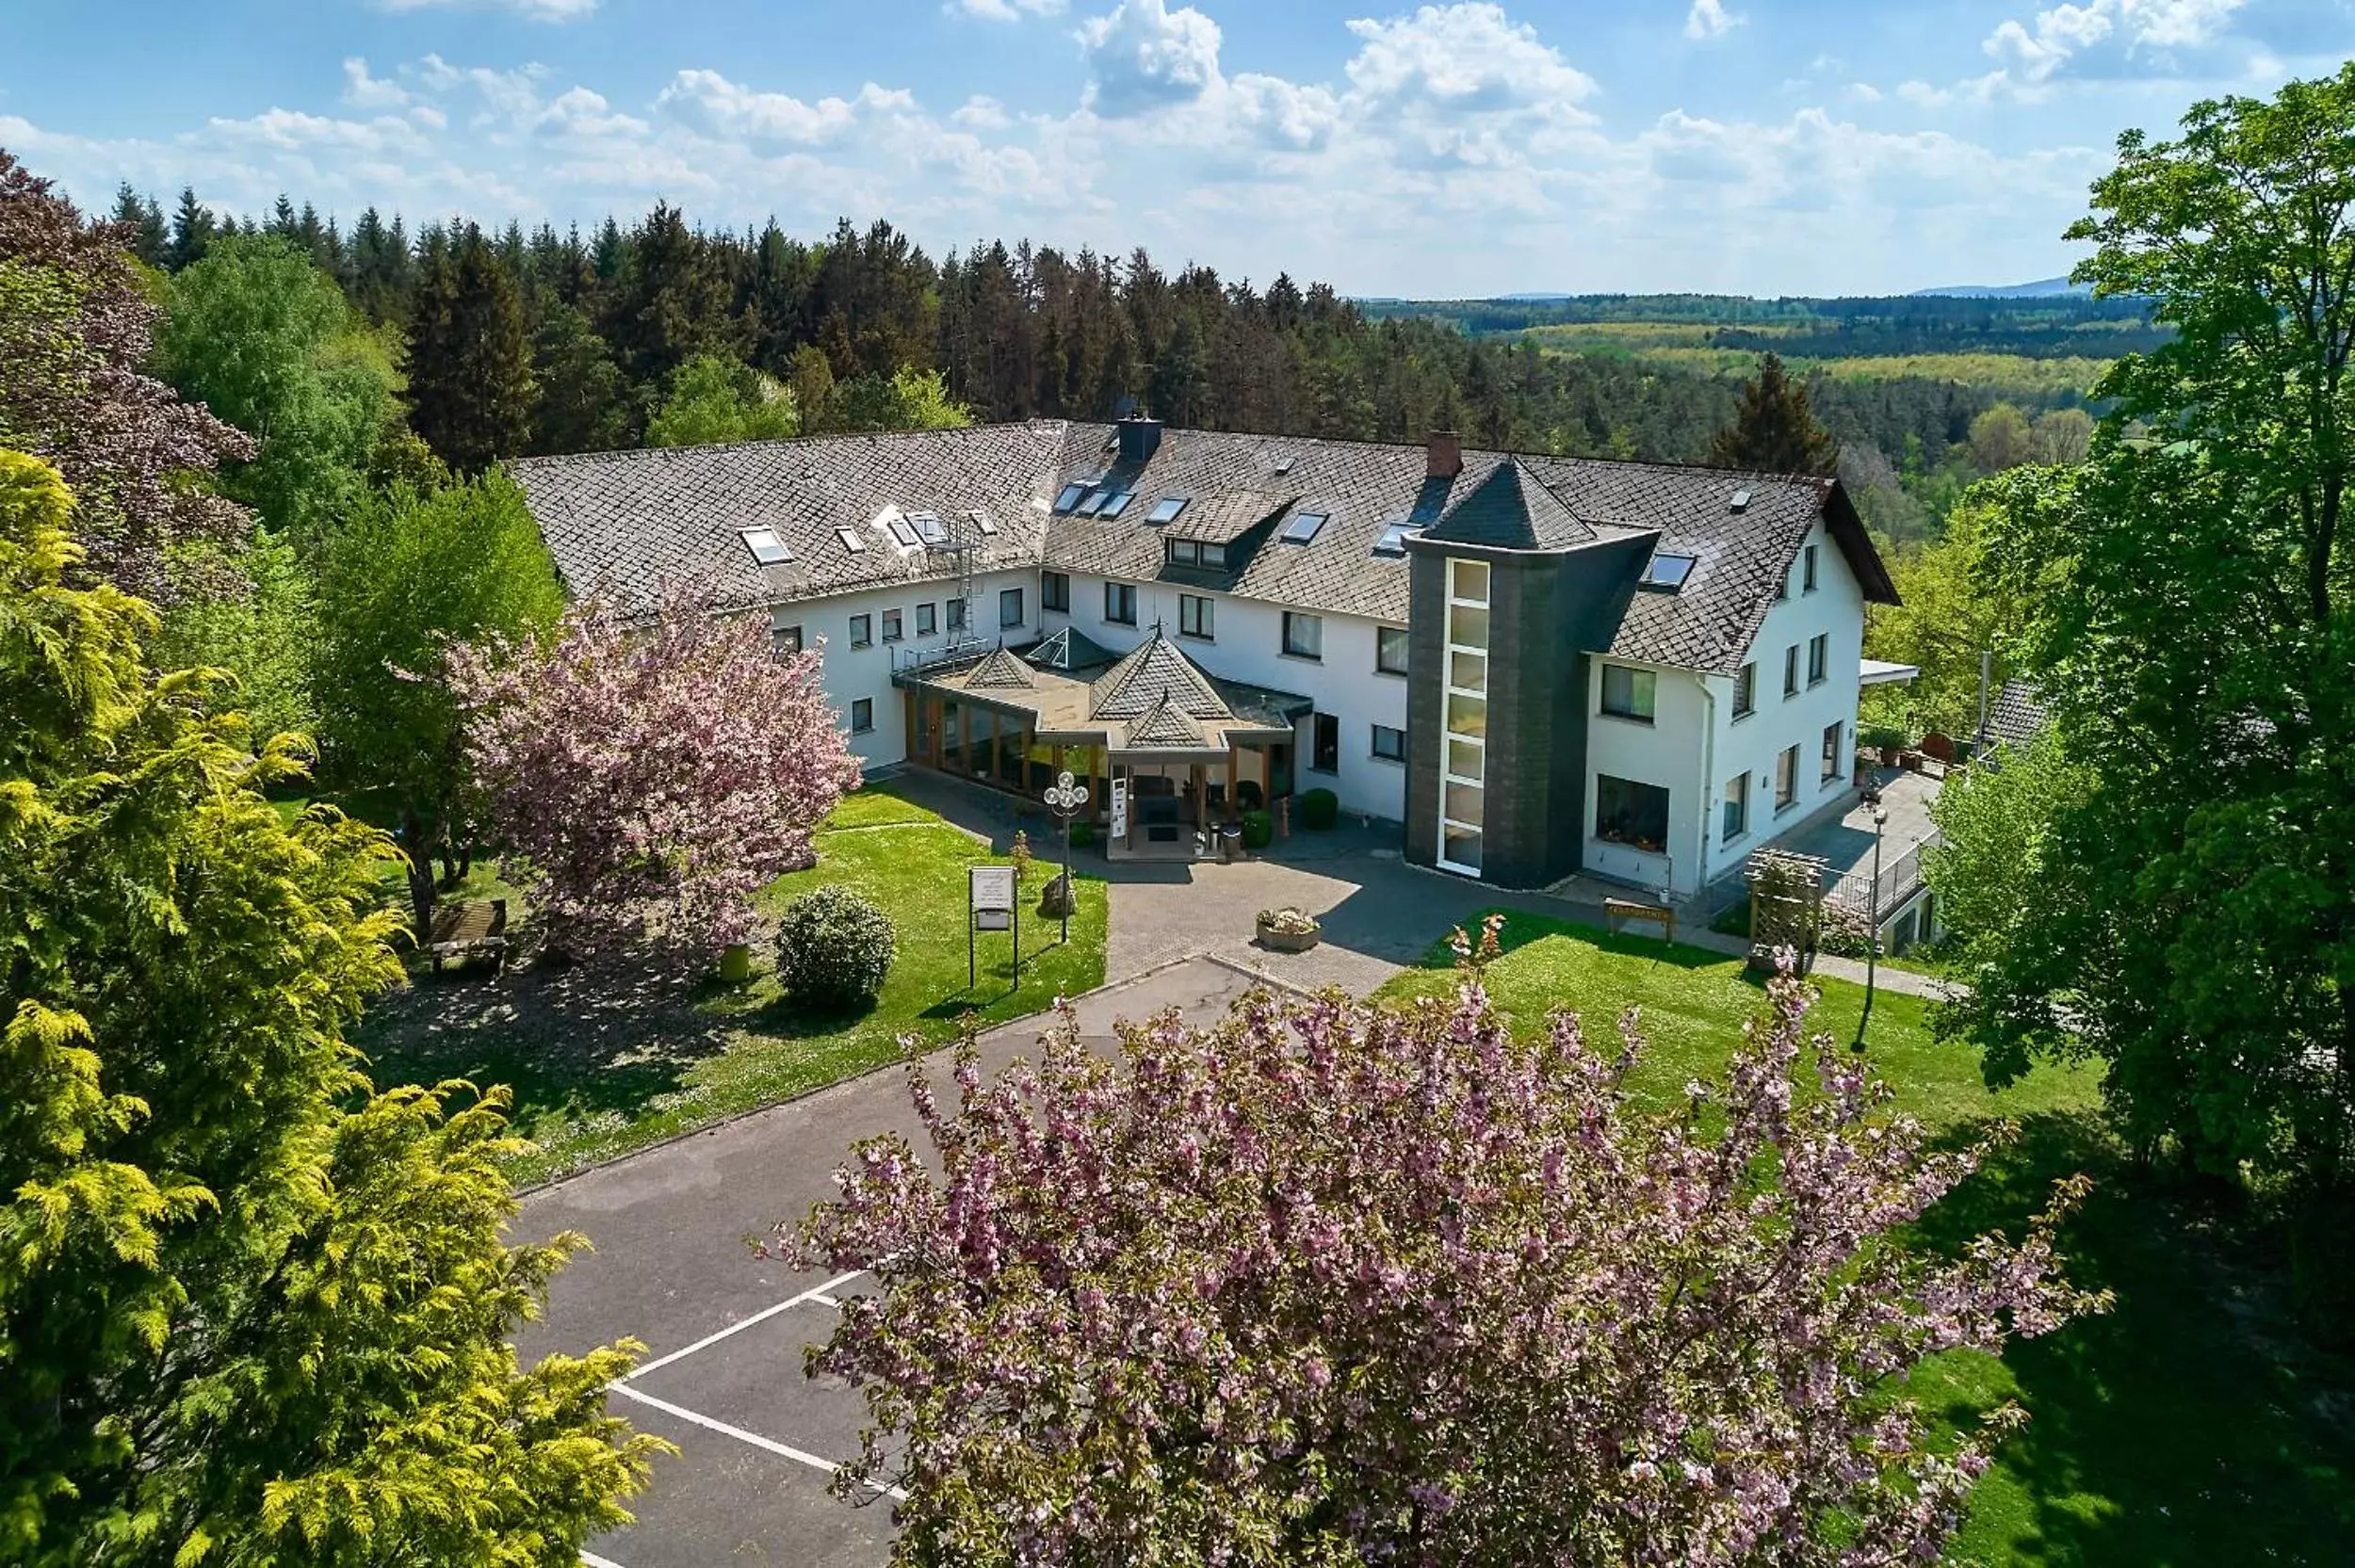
(2191, 1425)
(607, 1057)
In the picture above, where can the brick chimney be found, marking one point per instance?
(1447, 456)
(1140, 438)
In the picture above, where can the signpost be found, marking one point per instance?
(992, 907)
(1120, 808)
(1065, 800)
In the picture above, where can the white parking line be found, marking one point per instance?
(799, 1456)
(591, 1559)
(814, 1294)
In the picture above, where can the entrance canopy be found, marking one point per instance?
(1154, 705)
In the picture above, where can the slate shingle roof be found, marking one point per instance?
(623, 523)
(1157, 672)
(2015, 717)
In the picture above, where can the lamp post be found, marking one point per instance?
(1873, 916)
(1065, 798)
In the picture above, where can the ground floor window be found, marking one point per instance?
(1195, 617)
(1737, 806)
(1786, 777)
(1009, 607)
(1389, 744)
(1628, 811)
(862, 714)
(1120, 604)
(1324, 755)
(1831, 751)
(956, 615)
(1304, 636)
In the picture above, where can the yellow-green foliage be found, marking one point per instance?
(251, 1312)
(1682, 344)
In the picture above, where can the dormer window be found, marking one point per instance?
(767, 548)
(1304, 525)
(1166, 509)
(1214, 554)
(1668, 573)
(1184, 552)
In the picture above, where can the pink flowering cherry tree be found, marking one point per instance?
(1333, 1285)
(653, 773)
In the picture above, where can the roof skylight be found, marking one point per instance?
(1166, 509)
(1740, 501)
(767, 548)
(983, 521)
(1304, 525)
(853, 541)
(903, 530)
(929, 526)
(1095, 503)
(1395, 533)
(1669, 571)
(1070, 497)
(1117, 504)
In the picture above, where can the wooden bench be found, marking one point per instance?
(460, 931)
(1617, 912)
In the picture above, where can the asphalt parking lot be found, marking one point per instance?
(725, 1330)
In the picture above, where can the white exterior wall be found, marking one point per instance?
(1695, 745)
(1249, 646)
(849, 674)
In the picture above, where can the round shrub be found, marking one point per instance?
(1320, 809)
(833, 949)
(1082, 834)
(1258, 829)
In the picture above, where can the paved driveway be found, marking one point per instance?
(725, 1332)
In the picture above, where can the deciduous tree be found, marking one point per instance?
(1333, 1284)
(2193, 590)
(652, 776)
(251, 1311)
(76, 329)
(716, 399)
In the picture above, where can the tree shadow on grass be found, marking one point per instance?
(1522, 928)
(2192, 1424)
(575, 1044)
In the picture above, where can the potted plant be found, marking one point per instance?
(1289, 930)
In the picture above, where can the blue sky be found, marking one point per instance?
(1748, 146)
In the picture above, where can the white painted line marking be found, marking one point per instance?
(799, 1456)
(593, 1560)
(827, 1301)
(708, 1340)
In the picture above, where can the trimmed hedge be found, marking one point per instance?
(1320, 809)
(833, 949)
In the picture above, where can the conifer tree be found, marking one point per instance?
(140, 225)
(1773, 429)
(251, 1310)
(470, 382)
(193, 231)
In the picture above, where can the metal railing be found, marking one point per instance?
(1900, 879)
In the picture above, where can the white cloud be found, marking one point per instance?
(364, 92)
(982, 112)
(1004, 10)
(1708, 19)
(1145, 56)
(537, 10)
(719, 107)
(2135, 39)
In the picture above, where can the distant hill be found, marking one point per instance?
(2042, 288)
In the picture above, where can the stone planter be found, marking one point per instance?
(1289, 942)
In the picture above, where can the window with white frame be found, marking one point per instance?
(1464, 761)
(1196, 616)
(1120, 604)
(1304, 636)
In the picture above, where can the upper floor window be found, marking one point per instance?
(891, 628)
(862, 630)
(1746, 692)
(1390, 650)
(1791, 670)
(784, 636)
(1629, 694)
(1304, 636)
(1818, 657)
(1807, 578)
(1055, 592)
(1195, 615)
(1120, 604)
(956, 615)
(927, 619)
(1009, 607)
